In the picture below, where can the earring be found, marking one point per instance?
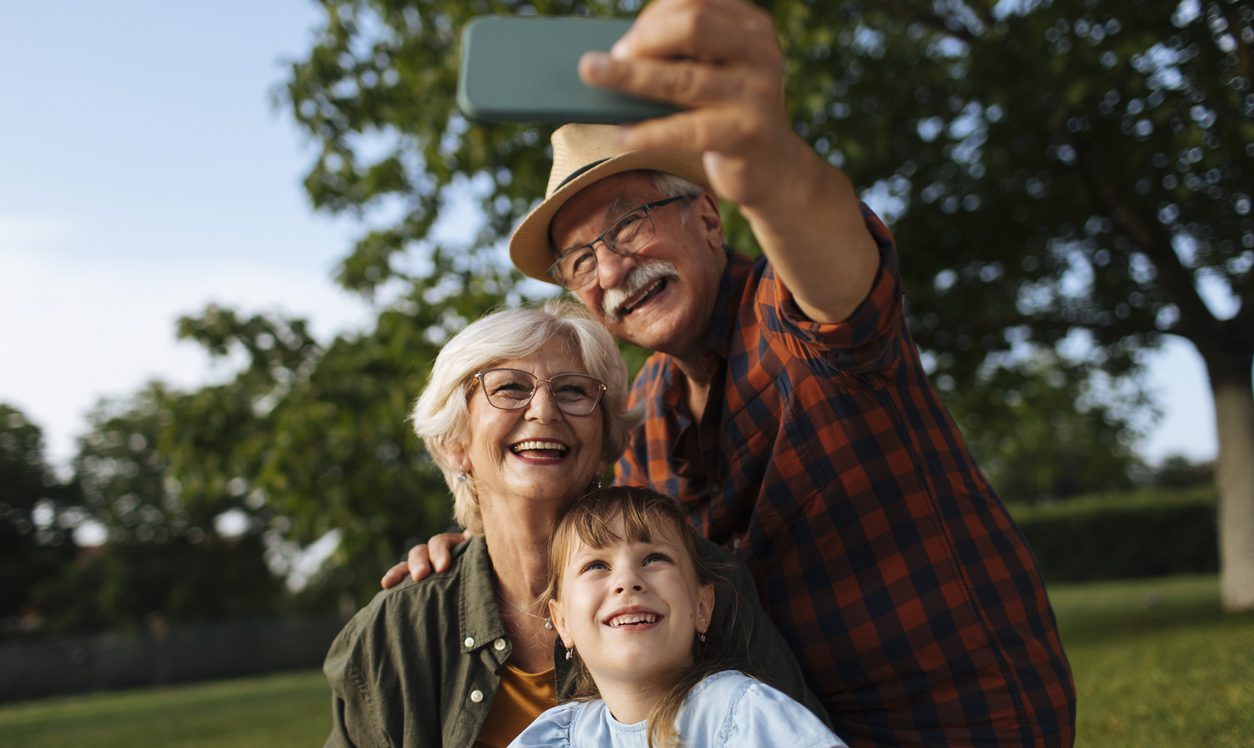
(548, 624)
(570, 652)
(462, 477)
(701, 637)
(600, 483)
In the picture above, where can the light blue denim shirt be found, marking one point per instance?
(726, 710)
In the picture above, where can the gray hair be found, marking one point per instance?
(441, 416)
(668, 184)
(673, 186)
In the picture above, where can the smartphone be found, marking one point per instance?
(525, 69)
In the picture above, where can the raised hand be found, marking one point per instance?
(721, 61)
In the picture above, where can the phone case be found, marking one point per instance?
(525, 69)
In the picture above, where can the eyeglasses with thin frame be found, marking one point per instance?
(511, 389)
(576, 268)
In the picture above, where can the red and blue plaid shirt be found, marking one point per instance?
(831, 468)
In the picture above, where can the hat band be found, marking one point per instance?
(575, 174)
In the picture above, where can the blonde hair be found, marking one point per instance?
(590, 519)
(441, 417)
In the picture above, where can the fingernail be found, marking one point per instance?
(619, 50)
(596, 63)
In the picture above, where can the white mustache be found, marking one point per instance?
(646, 272)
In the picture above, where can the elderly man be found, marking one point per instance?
(786, 405)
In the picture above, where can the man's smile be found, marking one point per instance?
(640, 287)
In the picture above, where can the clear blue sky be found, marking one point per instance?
(145, 172)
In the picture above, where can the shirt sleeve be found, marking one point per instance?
(372, 699)
(866, 341)
(349, 702)
(765, 716)
(552, 729)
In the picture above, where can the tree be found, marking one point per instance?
(1178, 471)
(169, 549)
(321, 436)
(1073, 172)
(34, 542)
(1042, 433)
(346, 460)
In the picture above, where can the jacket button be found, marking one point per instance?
(476, 696)
(470, 641)
(499, 644)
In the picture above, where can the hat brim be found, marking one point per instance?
(529, 247)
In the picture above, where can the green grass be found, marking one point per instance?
(1156, 664)
(288, 709)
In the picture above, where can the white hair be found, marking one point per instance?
(441, 416)
(673, 186)
(668, 184)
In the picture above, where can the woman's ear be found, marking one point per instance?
(559, 623)
(705, 608)
(455, 456)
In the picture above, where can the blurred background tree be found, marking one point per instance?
(1177, 471)
(35, 538)
(174, 547)
(1054, 433)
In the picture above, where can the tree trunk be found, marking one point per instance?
(1234, 474)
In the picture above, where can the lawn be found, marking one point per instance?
(1156, 664)
(275, 711)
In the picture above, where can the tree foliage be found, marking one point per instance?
(345, 459)
(170, 550)
(34, 542)
(1054, 166)
(1042, 433)
(1178, 471)
(322, 439)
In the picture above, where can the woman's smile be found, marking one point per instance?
(544, 450)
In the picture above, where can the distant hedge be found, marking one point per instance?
(1141, 534)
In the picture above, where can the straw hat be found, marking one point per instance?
(583, 154)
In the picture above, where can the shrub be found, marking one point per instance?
(1115, 536)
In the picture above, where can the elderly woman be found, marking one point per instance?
(525, 409)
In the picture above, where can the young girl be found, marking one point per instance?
(632, 602)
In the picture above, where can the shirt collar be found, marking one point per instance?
(481, 620)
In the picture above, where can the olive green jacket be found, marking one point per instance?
(418, 665)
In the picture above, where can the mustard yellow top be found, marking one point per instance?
(519, 699)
